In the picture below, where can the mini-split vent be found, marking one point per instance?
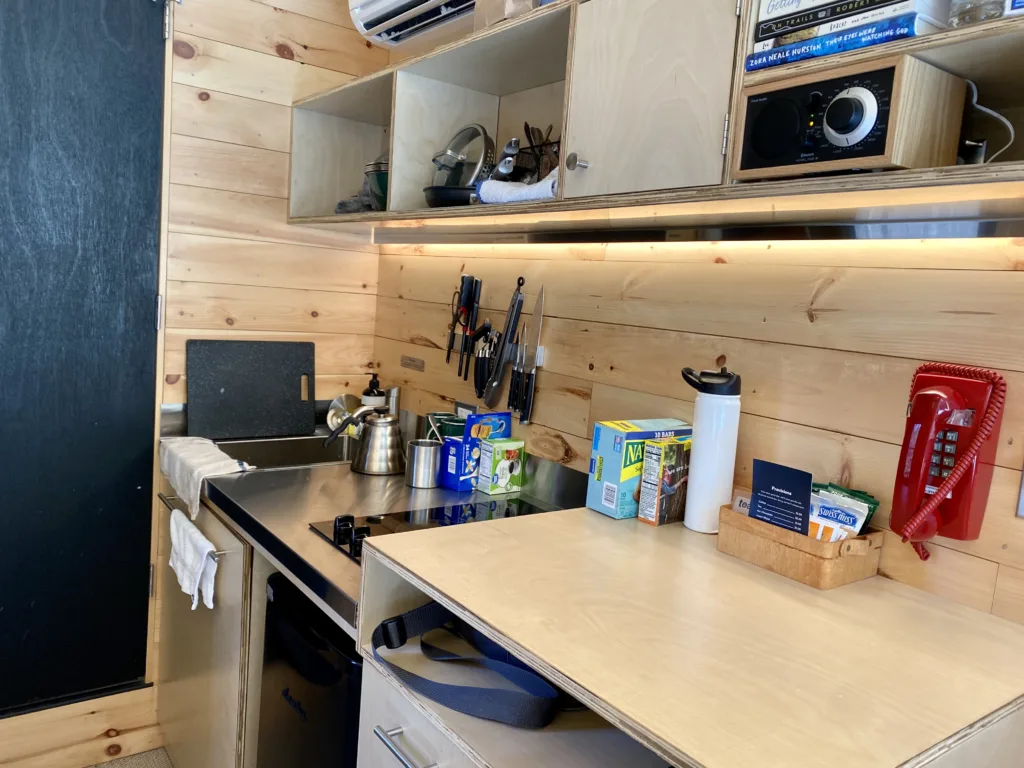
(390, 22)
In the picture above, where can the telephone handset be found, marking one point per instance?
(949, 448)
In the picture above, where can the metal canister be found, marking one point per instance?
(423, 463)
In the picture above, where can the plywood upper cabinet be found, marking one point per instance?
(649, 93)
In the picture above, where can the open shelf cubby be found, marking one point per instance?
(498, 78)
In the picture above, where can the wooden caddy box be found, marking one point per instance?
(817, 564)
(924, 120)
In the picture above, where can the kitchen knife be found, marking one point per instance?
(530, 366)
(503, 354)
(515, 384)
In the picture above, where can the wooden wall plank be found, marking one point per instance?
(203, 259)
(1009, 595)
(335, 353)
(957, 316)
(233, 167)
(215, 66)
(553, 445)
(251, 308)
(953, 575)
(200, 211)
(279, 32)
(234, 119)
(86, 733)
(331, 11)
(851, 393)
(1001, 253)
(562, 402)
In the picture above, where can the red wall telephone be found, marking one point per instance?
(949, 447)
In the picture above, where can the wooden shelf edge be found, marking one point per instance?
(914, 45)
(970, 192)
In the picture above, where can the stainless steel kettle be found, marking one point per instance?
(379, 445)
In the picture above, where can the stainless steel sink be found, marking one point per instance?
(278, 452)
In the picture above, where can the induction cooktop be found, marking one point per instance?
(347, 532)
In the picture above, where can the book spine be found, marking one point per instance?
(842, 23)
(773, 21)
(885, 31)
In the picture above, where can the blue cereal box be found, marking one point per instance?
(617, 462)
(460, 456)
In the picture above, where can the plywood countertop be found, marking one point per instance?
(715, 662)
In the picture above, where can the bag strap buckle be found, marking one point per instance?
(394, 632)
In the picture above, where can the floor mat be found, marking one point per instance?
(156, 758)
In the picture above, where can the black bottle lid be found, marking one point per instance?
(374, 389)
(722, 382)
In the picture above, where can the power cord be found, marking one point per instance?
(996, 115)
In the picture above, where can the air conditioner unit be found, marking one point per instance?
(391, 22)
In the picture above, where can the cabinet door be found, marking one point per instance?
(202, 657)
(650, 91)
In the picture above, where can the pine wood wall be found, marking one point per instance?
(235, 269)
(825, 335)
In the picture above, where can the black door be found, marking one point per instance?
(81, 97)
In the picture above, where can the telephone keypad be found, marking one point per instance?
(940, 436)
(934, 471)
(950, 448)
(938, 445)
(948, 461)
(936, 458)
(952, 436)
(947, 472)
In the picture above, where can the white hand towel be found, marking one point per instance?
(187, 461)
(192, 559)
(514, 192)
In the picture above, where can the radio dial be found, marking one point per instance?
(850, 116)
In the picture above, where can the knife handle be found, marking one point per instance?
(481, 374)
(513, 389)
(529, 385)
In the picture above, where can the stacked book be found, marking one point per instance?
(794, 30)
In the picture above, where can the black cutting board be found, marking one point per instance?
(239, 389)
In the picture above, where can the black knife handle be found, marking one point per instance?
(513, 390)
(529, 386)
(480, 375)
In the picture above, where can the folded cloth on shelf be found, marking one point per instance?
(187, 461)
(513, 192)
(192, 559)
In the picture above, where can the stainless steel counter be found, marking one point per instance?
(275, 507)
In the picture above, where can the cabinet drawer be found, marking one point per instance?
(385, 708)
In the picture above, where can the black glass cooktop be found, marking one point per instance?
(347, 532)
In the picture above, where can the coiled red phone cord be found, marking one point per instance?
(988, 423)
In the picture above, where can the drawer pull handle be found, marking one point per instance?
(388, 737)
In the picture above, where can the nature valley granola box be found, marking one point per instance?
(617, 462)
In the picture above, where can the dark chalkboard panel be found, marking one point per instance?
(250, 388)
(81, 97)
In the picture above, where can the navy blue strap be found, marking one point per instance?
(532, 707)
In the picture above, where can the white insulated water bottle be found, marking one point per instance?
(716, 424)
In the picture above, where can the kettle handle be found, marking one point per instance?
(345, 424)
(356, 417)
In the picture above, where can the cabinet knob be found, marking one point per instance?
(573, 161)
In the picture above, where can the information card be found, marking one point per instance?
(781, 496)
